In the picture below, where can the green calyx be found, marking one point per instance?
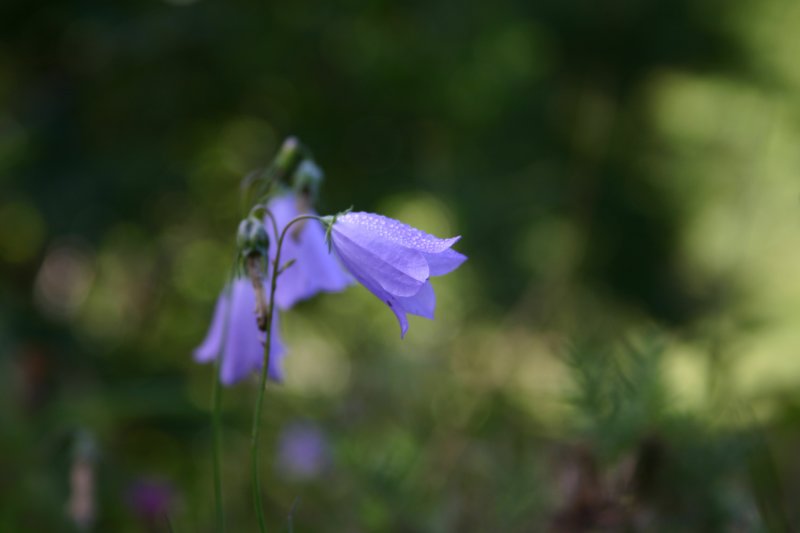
(328, 221)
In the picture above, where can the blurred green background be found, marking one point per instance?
(619, 352)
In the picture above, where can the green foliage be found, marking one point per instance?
(610, 166)
(671, 468)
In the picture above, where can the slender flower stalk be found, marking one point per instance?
(229, 344)
(270, 309)
(216, 400)
(216, 423)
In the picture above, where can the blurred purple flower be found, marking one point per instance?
(394, 261)
(150, 499)
(234, 332)
(314, 270)
(303, 451)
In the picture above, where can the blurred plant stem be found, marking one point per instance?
(290, 519)
(276, 270)
(257, 416)
(170, 529)
(216, 399)
(216, 417)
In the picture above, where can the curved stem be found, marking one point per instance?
(268, 214)
(257, 498)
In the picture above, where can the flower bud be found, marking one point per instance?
(307, 179)
(253, 244)
(252, 238)
(288, 157)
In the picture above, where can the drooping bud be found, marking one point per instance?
(288, 157)
(252, 238)
(307, 180)
(278, 172)
(253, 243)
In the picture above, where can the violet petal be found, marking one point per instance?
(444, 262)
(385, 297)
(400, 271)
(421, 304)
(210, 347)
(243, 348)
(360, 224)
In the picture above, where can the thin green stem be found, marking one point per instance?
(268, 214)
(170, 529)
(216, 417)
(290, 519)
(257, 498)
(216, 399)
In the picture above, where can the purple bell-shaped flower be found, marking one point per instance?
(314, 269)
(234, 334)
(393, 261)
